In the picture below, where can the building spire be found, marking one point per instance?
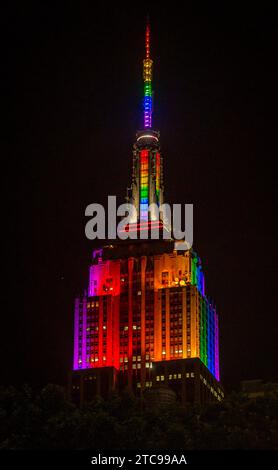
(148, 38)
(147, 76)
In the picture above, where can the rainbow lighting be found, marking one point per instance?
(147, 76)
(144, 318)
(157, 181)
(144, 184)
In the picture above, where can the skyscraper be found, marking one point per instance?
(145, 321)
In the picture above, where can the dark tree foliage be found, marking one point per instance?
(47, 420)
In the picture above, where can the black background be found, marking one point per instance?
(73, 78)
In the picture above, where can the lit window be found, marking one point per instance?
(179, 376)
(187, 375)
(138, 385)
(192, 374)
(157, 378)
(170, 377)
(133, 366)
(162, 378)
(104, 327)
(138, 366)
(125, 328)
(175, 376)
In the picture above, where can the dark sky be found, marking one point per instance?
(72, 75)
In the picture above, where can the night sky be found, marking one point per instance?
(73, 79)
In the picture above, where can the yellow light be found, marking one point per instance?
(147, 136)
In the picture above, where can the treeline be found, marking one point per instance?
(47, 420)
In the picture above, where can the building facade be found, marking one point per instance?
(145, 320)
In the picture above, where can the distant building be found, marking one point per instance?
(258, 388)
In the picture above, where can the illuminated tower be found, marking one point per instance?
(147, 167)
(145, 320)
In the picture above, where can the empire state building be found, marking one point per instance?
(145, 321)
